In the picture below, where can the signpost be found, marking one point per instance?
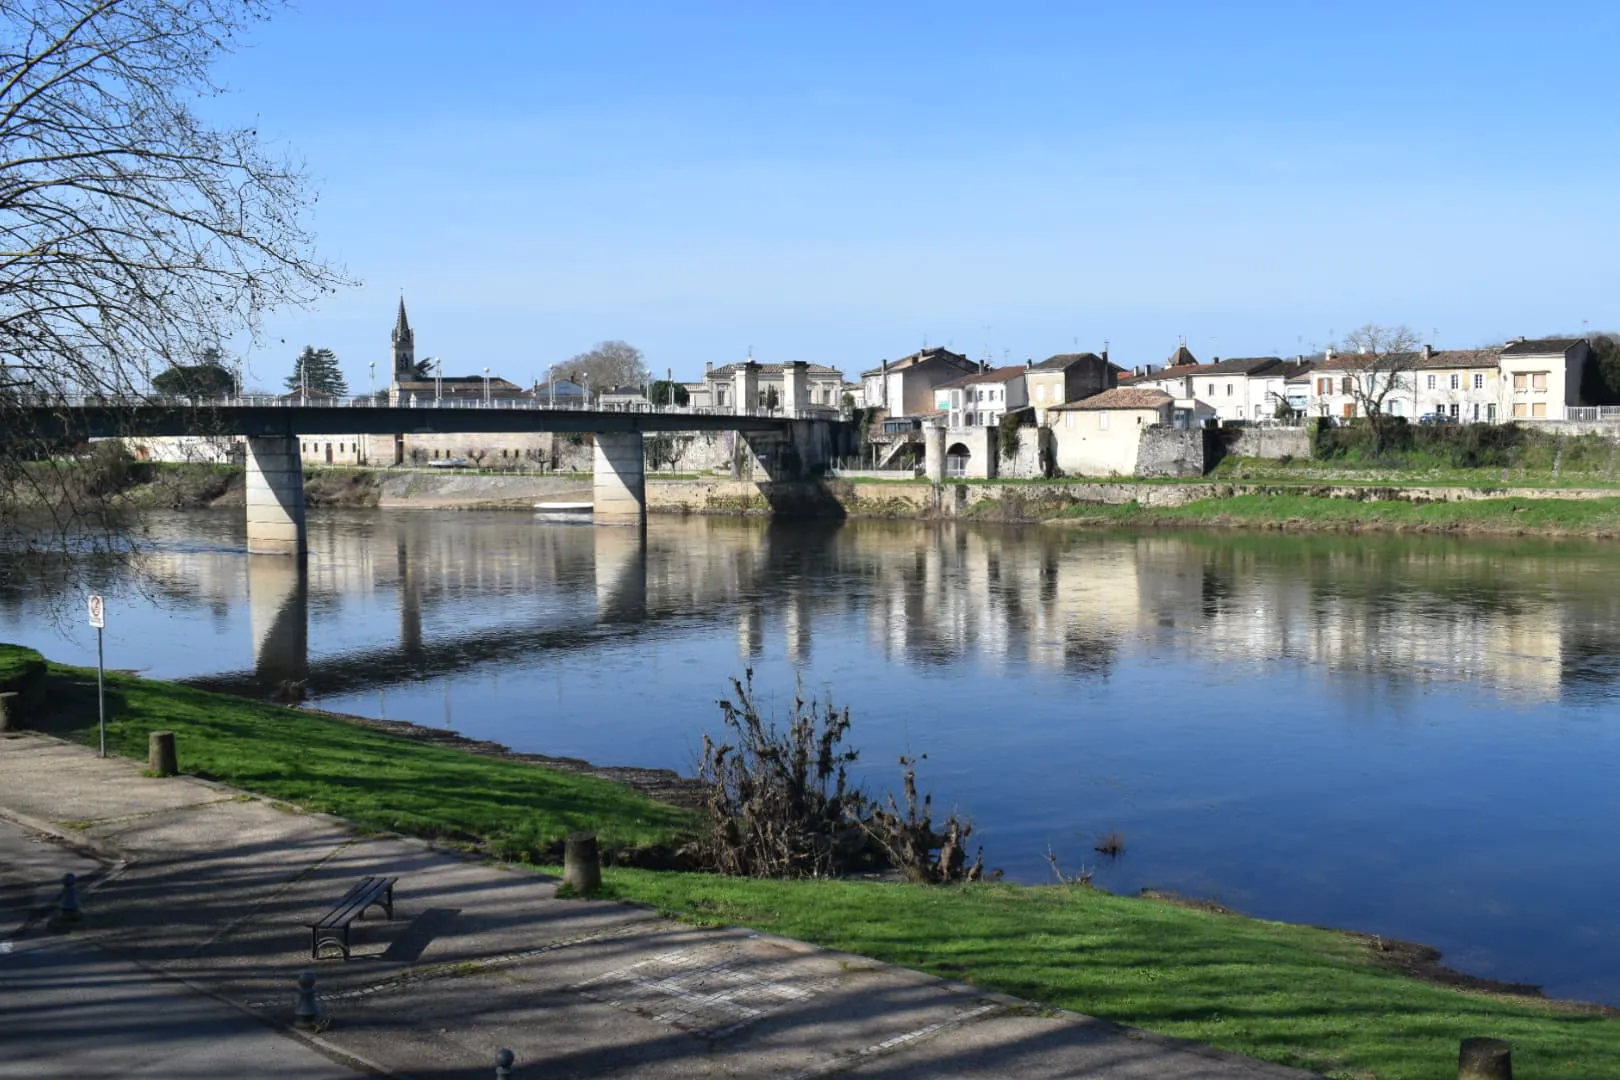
(98, 619)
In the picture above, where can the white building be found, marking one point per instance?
(1541, 378)
(906, 386)
(1247, 388)
(1100, 435)
(983, 398)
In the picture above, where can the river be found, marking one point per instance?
(1407, 736)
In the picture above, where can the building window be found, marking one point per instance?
(1456, 382)
(1490, 413)
(1518, 408)
(1520, 380)
(1538, 411)
(1479, 381)
(1040, 393)
(1454, 412)
(1344, 387)
(1538, 380)
(1324, 387)
(1211, 389)
(1476, 412)
(1431, 382)
(1228, 389)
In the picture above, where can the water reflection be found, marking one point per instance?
(1533, 622)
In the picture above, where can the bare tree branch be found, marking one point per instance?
(133, 234)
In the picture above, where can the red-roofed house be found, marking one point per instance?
(984, 397)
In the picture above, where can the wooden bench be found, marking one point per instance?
(333, 927)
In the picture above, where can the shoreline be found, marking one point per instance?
(1381, 507)
(1240, 983)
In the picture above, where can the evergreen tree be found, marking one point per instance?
(317, 371)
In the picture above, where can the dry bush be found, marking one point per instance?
(781, 804)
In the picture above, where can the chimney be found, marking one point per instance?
(708, 368)
(1328, 353)
(1214, 359)
(1029, 362)
(1518, 340)
(1428, 352)
(885, 366)
(1105, 354)
(984, 366)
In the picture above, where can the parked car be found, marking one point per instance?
(1436, 418)
(448, 463)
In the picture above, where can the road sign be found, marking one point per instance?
(98, 611)
(98, 619)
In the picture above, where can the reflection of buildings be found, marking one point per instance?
(459, 590)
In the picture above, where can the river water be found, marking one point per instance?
(1412, 737)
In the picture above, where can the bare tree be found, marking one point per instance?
(609, 364)
(1380, 364)
(133, 234)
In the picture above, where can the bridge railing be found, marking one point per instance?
(417, 401)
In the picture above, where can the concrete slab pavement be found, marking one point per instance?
(215, 888)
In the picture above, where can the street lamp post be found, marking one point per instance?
(371, 389)
(486, 386)
(438, 381)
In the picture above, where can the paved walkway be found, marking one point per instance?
(188, 962)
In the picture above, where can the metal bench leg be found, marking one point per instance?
(388, 903)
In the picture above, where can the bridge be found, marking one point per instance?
(793, 446)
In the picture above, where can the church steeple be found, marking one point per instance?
(404, 347)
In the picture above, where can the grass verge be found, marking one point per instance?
(511, 809)
(1317, 999)
(1575, 517)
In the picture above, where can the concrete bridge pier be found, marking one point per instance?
(275, 497)
(620, 479)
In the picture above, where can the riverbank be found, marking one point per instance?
(1343, 1004)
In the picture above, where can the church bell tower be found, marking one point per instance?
(404, 347)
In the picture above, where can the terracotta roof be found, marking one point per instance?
(1246, 365)
(1063, 361)
(935, 353)
(1540, 346)
(994, 375)
(1121, 397)
(1440, 359)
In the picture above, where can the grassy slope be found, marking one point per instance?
(1293, 994)
(1578, 516)
(372, 778)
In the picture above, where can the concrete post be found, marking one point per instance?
(795, 387)
(307, 1011)
(620, 479)
(745, 384)
(503, 1064)
(275, 498)
(160, 755)
(582, 863)
(1484, 1059)
(934, 452)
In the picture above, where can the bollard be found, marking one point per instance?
(1484, 1059)
(10, 711)
(503, 1064)
(160, 756)
(308, 1013)
(68, 909)
(582, 864)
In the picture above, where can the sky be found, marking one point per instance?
(845, 182)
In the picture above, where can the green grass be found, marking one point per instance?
(17, 664)
(1302, 996)
(1595, 517)
(374, 779)
(1422, 472)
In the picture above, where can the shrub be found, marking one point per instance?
(781, 803)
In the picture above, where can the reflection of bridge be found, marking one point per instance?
(788, 447)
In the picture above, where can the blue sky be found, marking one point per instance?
(841, 182)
